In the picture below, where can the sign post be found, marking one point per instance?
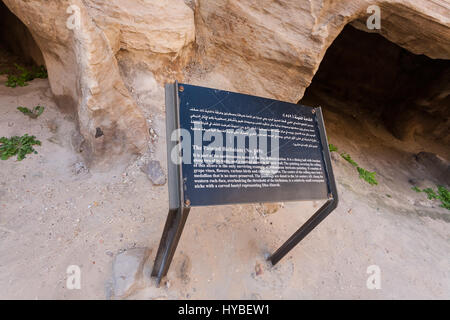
(230, 148)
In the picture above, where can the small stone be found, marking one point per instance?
(258, 269)
(109, 253)
(255, 296)
(155, 173)
(128, 270)
(336, 157)
(79, 168)
(153, 134)
(52, 125)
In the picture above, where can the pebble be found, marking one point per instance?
(155, 173)
(80, 167)
(336, 157)
(258, 269)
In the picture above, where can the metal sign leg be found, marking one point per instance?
(325, 210)
(173, 228)
(304, 230)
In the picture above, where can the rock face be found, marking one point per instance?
(94, 51)
(408, 93)
(274, 48)
(84, 76)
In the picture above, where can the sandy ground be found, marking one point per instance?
(54, 213)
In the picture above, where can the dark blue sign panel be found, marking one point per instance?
(239, 148)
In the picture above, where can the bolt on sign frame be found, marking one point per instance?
(185, 102)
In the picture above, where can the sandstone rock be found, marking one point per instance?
(336, 157)
(84, 74)
(267, 48)
(127, 270)
(278, 45)
(154, 172)
(437, 167)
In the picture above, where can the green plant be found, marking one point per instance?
(14, 81)
(39, 72)
(33, 114)
(349, 159)
(332, 147)
(368, 176)
(364, 174)
(442, 194)
(20, 146)
(431, 195)
(23, 76)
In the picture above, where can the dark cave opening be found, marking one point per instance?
(367, 74)
(17, 45)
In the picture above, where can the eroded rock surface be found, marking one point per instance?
(94, 49)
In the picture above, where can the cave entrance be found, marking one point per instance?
(17, 45)
(374, 76)
(385, 106)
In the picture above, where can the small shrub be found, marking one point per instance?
(442, 194)
(20, 146)
(367, 176)
(431, 195)
(39, 72)
(33, 114)
(23, 76)
(349, 159)
(332, 148)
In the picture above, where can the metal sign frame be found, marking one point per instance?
(179, 210)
